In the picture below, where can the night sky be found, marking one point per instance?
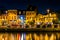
(22, 4)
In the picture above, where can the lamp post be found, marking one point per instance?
(48, 10)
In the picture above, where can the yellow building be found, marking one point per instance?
(12, 16)
(39, 18)
(46, 18)
(52, 16)
(0, 20)
(30, 15)
(3, 18)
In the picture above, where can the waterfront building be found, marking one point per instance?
(39, 18)
(30, 16)
(12, 16)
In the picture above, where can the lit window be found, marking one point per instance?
(3, 17)
(10, 20)
(14, 17)
(50, 14)
(6, 17)
(30, 13)
(22, 36)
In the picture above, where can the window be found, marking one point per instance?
(14, 17)
(6, 17)
(27, 17)
(10, 20)
(30, 13)
(42, 19)
(3, 17)
(36, 19)
(30, 17)
(14, 20)
(39, 19)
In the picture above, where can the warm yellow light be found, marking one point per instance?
(31, 19)
(2, 19)
(50, 14)
(46, 37)
(48, 10)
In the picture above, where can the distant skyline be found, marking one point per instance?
(42, 5)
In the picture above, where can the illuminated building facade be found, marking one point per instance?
(21, 17)
(46, 18)
(30, 15)
(39, 18)
(12, 16)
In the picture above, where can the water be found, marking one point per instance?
(30, 36)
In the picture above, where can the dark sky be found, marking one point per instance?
(22, 4)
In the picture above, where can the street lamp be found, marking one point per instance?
(48, 10)
(6, 11)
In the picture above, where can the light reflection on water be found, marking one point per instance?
(29, 36)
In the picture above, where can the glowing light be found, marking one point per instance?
(31, 18)
(2, 19)
(50, 14)
(19, 36)
(38, 23)
(22, 18)
(41, 37)
(46, 37)
(22, 37)
(48, 10)
(6, 11)
(3, 39)
(52, 37)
